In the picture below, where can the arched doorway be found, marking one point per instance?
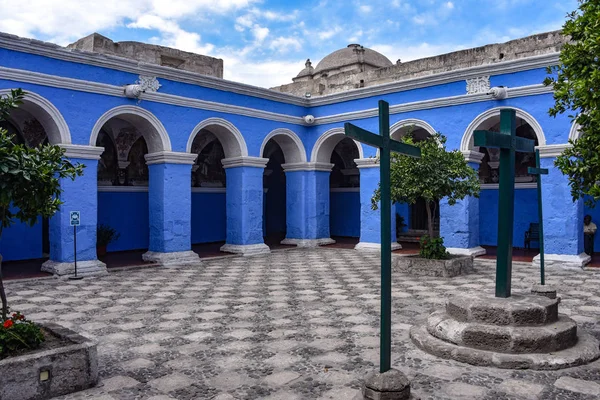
(526, 198)
(411, 219)
(274, 185)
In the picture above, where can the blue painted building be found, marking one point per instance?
(174, 158)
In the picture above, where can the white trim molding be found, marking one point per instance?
(227, 133)
(81, 151)
(345, 190)
(472, 156)
(323, 147)
(466, 143)
(368, 246)
(170, 157)
(307, 243)
(473, 251)
(148, 124)
(291, 145)
(575, 132)
(367, 162)
(123, 189)
(256, 162)
(496, 186)
(410, 122)
(563, 260)
(47, 114)
(552, 150)
(307, 166)
(246, 249)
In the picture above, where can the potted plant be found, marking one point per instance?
(36, 360)
(104, 237)
(438, 174)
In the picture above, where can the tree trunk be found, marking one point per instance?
(429, 219)
(3, 294)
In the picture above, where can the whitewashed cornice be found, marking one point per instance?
(83, 152)
(473, 156)
(367, 162)
(345, 190)
(307, 166)
(496, 186)
(123, 189)
(209, 190)
(552, 150)
(170, 157)
(257, 162)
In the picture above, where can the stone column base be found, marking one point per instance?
(308, 242)
(473, 251)
(390, 385)
(173, 259)
(368, 246)
(84, 268)
(563, 260)
(246, 249)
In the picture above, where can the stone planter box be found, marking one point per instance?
(415, 265)
(68, 367)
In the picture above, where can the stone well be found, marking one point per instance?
(520, 332)
(448, 268)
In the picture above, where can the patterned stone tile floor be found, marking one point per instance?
(295, 324)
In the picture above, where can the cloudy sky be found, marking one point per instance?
(266, 43)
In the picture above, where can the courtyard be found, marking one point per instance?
(293, 324)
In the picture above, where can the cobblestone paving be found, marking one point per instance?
(297, 324)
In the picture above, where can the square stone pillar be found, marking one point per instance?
(307, 208)
(459, 224)
(370, 220)
(563, 217)
(244, 202)
(80, 195)
(170, 207)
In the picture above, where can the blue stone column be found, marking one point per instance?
(459, 224)
(170, 207)
(370, 220)
(563, 218)
(80, 195)
(244, 202)
(307, 208)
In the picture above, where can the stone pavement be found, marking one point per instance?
(295, 324)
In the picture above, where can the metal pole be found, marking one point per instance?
(75, 277)
(386, 240)
(541, 217)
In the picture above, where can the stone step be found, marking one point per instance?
(554, 336)
(516, 310)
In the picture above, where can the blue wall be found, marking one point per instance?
(344, 214)
(128, 214)
(21, 242)
(208, 217)
(403, 210)
(526, 211)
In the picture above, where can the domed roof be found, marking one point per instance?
(353, 54)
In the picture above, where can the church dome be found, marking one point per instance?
(352, 54)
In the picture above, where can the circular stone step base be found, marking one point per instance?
(585, 351)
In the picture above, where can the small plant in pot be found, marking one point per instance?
(105, 236)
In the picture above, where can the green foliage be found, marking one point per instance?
(29, 178)
(399, 224)
(432, 248)
(106, 235)
(17, 334)
(576, 82)
(436, 175)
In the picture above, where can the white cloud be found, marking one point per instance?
(328, 34)
(365, 9)
(285, 44)
(260, 33)
(409, 53)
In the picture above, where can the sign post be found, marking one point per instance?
(385, 145)
(75, 217)
(508, 143)
(539, 172)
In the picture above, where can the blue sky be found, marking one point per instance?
(266, 43)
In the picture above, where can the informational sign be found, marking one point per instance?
(75, 217)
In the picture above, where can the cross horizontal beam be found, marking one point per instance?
(503, 141)
(537, 171)
(374, 140)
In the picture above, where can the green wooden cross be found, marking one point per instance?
(508, 143)
(539, 172)
(385, 145)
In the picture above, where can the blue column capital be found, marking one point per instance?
(170, 157)
(244, 161)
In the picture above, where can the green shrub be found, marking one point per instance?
(432, 248)
(106, 235)
(17, 334)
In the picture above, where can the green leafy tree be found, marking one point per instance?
(434, 176)
(29, 179)
(576, 83)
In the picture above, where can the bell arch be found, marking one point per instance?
(400, 128)
(290, 144)
(230, 137)
(323, 147)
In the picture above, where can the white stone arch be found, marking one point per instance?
(575, 132)
(325, 144)
(228, 135)
(395, 128)
(148, 124)
(47, 114)
(466, 143)
(290, 143)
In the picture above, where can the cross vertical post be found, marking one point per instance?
(539, 172)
